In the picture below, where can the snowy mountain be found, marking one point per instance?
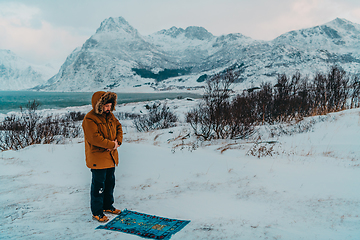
(335, 42)
(330, 36)
(106, 59)
(118, 57)
(17, 74)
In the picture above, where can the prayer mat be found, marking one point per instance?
(144, 225)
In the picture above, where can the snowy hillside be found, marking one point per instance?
(17, 74)
(105, 60)
(118, 57)
(330, 36)
(305, 188)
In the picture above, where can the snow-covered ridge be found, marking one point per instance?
(116, 25)
(17, 74)
(335, 35)
(119, 58)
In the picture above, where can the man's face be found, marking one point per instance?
(107, 108)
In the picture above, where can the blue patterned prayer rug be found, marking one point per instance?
(144, 225)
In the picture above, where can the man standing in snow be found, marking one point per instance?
(103, 135)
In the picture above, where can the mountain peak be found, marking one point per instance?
(341, 23)
(114, 25)
(8, 55)
(200, 33)
(18, 74)
(338, 31)
(191, 32)
(172, 32)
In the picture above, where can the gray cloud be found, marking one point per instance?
(76, 20)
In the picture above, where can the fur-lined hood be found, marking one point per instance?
(100, 98)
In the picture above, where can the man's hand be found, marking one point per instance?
(116, 145)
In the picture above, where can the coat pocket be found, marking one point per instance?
(95, 149)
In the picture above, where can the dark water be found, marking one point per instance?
(12, 100)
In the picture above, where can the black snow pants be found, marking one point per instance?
(102, 190)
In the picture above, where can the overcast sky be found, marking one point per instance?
(47, 31)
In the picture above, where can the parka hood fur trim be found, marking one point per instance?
(100, 98)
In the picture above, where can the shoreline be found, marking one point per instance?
(12, 100)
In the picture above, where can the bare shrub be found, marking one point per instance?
(75, 116)
(277, 130)
(200, 121)
(243, 117)
(293, 98)
(159, 117)
(219, 117)
(289, 100)
(262, 149)
(264, 103)
(355, 92)
(209, 119)
(27, 128)
(126, 115)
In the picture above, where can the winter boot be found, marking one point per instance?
(101, 218)
(113, 211)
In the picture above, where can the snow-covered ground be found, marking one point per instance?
(305, 188)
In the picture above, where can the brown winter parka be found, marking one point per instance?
(100, 130)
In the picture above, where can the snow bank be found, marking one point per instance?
(307, 189)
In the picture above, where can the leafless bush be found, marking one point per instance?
(262, 149)
(75, 116)
(293, 98)
(126, 115)
(355, 92)
(289, 100)
(219, 117)
(27, 128)
(243, 117)
(159, 117)
(280, 129)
